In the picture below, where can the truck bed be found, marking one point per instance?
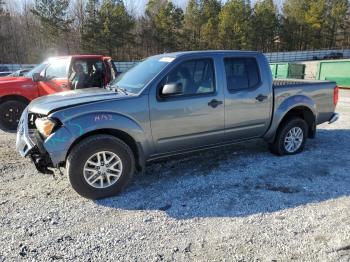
(321, 93)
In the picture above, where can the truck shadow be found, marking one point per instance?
(242, 180)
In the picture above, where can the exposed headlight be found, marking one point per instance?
(45, 125)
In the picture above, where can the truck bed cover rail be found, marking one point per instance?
(287, 82)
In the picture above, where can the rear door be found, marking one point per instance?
(194, 118)
(248, 99)
(56, 77)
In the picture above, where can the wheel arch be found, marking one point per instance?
(125, 137)
(14, 97)
(302, 111)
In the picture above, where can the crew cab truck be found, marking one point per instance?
(54, 75)
(170, 104)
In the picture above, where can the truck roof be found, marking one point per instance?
(226, 52)
(80, 56)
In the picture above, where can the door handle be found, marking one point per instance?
(261, 98)
(63, 86)
(215, 103)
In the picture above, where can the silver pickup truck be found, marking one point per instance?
(170, 104)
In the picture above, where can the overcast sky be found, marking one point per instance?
(137, 6)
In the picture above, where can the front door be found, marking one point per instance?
(248, 100)
(55, 77)
(192, 119)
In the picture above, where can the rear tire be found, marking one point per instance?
(100, 166)
(10, 114)
(290, 138)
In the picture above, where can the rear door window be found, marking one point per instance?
(241, 73)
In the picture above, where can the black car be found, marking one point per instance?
(334, 55)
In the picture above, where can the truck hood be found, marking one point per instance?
(47, 104)
(12, 79)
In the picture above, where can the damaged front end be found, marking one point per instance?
(40, 157)
(30, 143)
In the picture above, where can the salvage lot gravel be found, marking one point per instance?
(237, 203)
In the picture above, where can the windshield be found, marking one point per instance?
(135, 79)
(37, 69)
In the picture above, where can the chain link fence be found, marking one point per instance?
(296, 56)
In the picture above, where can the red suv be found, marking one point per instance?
(56, 74)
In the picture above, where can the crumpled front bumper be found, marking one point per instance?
(29, 144)
(23, 142)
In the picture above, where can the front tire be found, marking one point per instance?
(10, 114)
(290, 138)
(100, 166)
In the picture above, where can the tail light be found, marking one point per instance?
(336, 95)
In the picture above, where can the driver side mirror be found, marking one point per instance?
(172, 89)
(37, 77)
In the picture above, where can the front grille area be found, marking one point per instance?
(31, 120)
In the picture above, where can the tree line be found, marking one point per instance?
(112, 27)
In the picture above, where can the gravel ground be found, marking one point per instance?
(236, 204)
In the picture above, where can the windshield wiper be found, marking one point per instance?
(123, 90)
(117, 89)
(109, 87)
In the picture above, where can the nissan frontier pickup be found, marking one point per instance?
(170, 104)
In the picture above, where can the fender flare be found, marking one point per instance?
(293, 102)
(14, 97)
(76, 128)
